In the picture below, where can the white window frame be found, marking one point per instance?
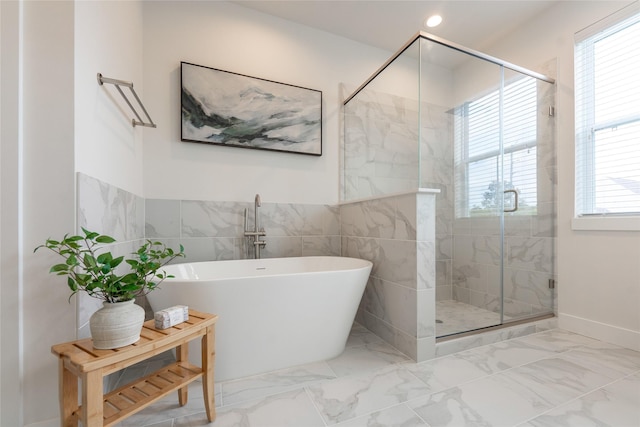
(585, 137)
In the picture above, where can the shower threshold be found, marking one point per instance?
(481, 330)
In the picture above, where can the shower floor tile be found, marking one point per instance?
(453, 317)
(545, 379)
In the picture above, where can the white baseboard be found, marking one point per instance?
(600, 331)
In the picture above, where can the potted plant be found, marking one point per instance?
(97, 272)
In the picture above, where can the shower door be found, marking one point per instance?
(529, 170)
(478, 223)
(487, 144)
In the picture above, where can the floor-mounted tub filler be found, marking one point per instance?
(273, 313)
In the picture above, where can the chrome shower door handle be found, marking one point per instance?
(515, 205)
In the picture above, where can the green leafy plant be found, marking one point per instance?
(96, 272)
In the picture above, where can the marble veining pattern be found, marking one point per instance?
(551, 378)
(397, 234)
(109, 210)
(213, 230)
(381, 144)
(212, 219)
(350, 397)
(614, 405)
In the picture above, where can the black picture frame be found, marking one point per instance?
(224, 108)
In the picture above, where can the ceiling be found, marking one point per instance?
(476, 24)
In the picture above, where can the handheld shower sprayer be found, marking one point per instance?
(256, 205)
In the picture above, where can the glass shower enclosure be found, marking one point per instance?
(480, 130)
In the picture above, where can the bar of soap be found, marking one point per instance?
(171, 316)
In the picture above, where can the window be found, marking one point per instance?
(607, 90)
(477, 136)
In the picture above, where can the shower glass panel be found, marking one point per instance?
(381, 126)
(461, 139)
(444, 117)
(529, 170)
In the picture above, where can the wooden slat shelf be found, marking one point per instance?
(78, 359)
(136, 396)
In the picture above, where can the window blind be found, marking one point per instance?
(607, 106)
(482, 174)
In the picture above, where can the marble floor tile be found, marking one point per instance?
(612, 361)
(558, 340)
(449, 371)
(293, 408)
(353, 396)
(275, 382)
(504, 355)
(615, 405)
(360, 335)
(552, 378)
(454, 317)
(365, 358)
(396, 416)
(489, 401)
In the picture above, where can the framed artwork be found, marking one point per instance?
(224, 108)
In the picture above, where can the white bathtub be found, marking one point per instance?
(273, 313)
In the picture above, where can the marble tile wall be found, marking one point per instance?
(380, 145)
(211, 230)
(109, 210)
(529, 263)
(382, 157)
(436, 171)
(397, 234)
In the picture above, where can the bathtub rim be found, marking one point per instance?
(355, 264)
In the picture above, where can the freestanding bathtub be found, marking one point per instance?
(273, 313)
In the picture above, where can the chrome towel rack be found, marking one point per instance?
(118, 84)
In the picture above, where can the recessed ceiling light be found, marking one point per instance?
(433, 21)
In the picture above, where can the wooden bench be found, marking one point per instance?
(79, 360)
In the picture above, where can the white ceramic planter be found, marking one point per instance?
(116, 325)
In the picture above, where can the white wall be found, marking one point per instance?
(10, 359)
(108, 40)
(599, 271)
(54, 117)
(232, 38)
(46, 189)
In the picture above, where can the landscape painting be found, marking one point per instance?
(224, 108)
